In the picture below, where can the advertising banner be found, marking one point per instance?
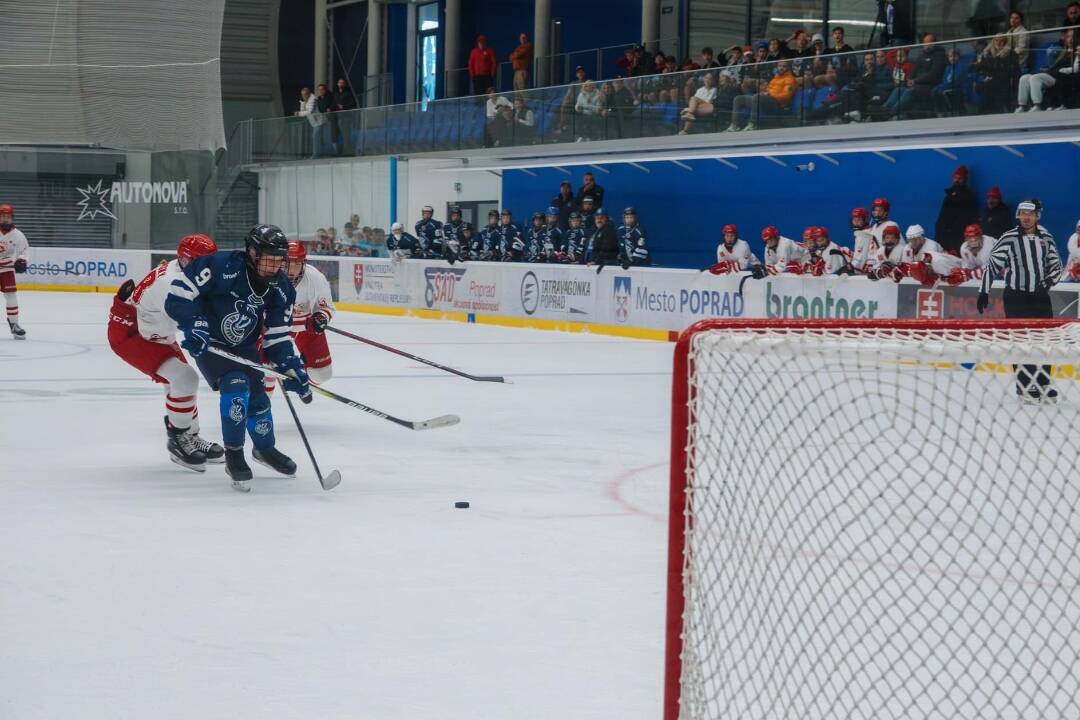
(652, 298)
(947, 302)
(85, 266)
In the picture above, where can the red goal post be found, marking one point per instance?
(972, 338)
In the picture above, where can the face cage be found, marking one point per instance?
(294, 269)
(266, 266)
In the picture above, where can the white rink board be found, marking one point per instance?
(85, 266)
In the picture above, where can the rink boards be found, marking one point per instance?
(653, 303)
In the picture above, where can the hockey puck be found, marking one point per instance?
(461, 504)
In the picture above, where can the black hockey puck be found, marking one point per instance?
(461, 504)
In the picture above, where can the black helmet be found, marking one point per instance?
(575, 215)
(267, 240)
(455, 209)
(538, 216)
(506, 211)
(493, 213)
(629, 211)
(466, 226)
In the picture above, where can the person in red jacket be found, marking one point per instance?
(482, 66)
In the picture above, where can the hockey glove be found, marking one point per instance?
(795, 268)
(20, 265)
(984, 300)
(125, 291)
(758, 272)
(298, 377)
(317, 323)
(959, 276)
(196, 337)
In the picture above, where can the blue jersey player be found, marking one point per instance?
(231, 299)
(633, 245)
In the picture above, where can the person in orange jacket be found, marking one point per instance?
(774, 99)
(482, 66)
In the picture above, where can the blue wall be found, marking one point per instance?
(684, 210)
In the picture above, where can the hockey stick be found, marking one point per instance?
(332, 480)
(402, 353)
(1062, 310)
(441, 421)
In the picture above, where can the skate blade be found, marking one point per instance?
(189, 466)
(243, 486)
(217, 460)
(18, 337)
(271, 467)
(331, 481)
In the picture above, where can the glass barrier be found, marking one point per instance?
(976, 76)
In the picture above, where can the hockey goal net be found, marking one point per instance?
(872, 521)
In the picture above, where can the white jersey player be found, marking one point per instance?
(863, 239)
(976, 249)
(826, 257)
(781, 253)
(733, 253)
(1072, 265)
(918, 246)
(143, 336)
(312, 312)
(886, 258)
(14, 254)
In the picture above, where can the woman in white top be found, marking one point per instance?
(494, 103)
(1019, 38)
(701, 104)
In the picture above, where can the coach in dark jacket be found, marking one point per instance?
(605, 243)
(958, 210)
(996, 218)
(566, 203)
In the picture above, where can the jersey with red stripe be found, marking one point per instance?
(1072, 265)
(739, 255)
(833, 257)
(149, 301)
(865, 245)
(882, 254)
(976, 258)
(929, 247)
(312, 295)
(13, 246)
(786, 251)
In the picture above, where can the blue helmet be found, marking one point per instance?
(601, 212)
(552, 210)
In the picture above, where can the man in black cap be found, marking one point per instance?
(566, 204)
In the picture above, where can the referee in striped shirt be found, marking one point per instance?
(1029, 260)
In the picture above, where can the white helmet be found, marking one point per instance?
(915, 231)
(397, 227)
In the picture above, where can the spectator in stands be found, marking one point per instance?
(865, 94)
(1019, 38)
(625, 64)
(324, 104)
(828, 104)
(504, 127)
(733, 56)
(774, 51)
(926, 73)
(521, 60)
(901, 79)
(998, 67)
(958, 210)
(566, 109)
(997, 217)
(619, 108)
(341, 125)
(772, 101)
(688, 64)
(726, 91)
(349, 234)
(482, 66)
(587, 111)
(1066, 70)
(643, 62)
(1072, 14)
(524, 119)
(950, 93)
(755, 71)
(708, 59)
(589, 188)
(844, 60)
(495, 106)
(803, 101)
(566, 203)
(309, 109)
(701, 105)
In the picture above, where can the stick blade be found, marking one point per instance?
(441, 421)
(331, 481)
(492, 378)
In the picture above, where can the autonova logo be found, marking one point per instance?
(784, 305)
(441, 284)
(99, 199)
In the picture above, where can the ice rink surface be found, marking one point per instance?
(133, 588)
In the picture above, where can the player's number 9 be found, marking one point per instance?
(203, 277)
